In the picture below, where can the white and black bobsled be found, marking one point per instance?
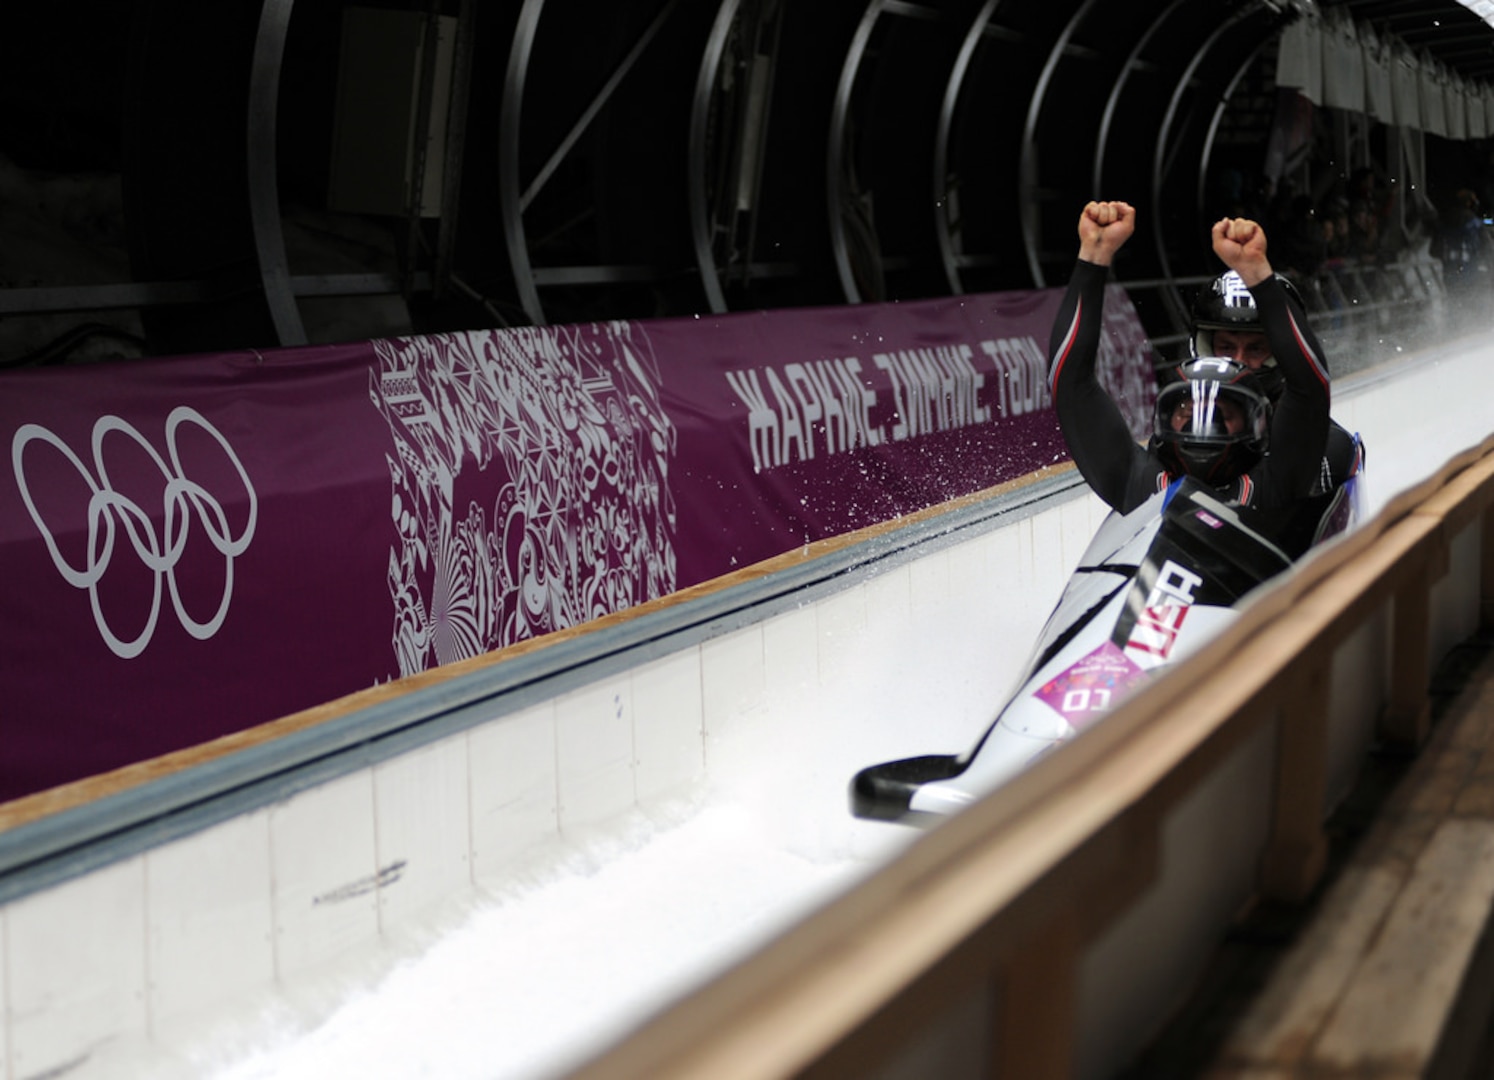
(1153, 585)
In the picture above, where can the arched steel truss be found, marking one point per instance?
(702, 226)
(514, 195)
(835, 149)
(715, 208)
(1034, 107)
(264, 191)
(1164, 156)
(514, 199)
(944, 223)
(1027, 170)
(1112, 99)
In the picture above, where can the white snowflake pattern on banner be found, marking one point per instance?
(555, 441)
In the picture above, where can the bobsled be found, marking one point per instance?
(1153, 585)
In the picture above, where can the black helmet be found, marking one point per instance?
(1212, 420)
(1226, 304)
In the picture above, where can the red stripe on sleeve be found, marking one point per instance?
(1318, 367)
(1065, 349)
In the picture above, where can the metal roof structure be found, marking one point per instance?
(580, 159)
(1456, 32)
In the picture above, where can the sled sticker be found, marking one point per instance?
(1087, 689)
(1156, 631)
(1174, 583)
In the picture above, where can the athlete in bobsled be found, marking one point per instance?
(1224, 496)
(1226, 322)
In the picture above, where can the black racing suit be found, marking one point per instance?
(1125, 474)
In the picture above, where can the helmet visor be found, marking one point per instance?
(1202, 409)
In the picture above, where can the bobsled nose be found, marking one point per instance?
(884, 792)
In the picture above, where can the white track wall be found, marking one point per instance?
(98, 969)
(102, 966)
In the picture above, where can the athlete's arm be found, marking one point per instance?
(1299, 421)
(1098, 438)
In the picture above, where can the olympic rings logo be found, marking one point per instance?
(108, 511)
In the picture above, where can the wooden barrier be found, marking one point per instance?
(997, 905)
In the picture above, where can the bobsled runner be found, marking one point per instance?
(1152, 586)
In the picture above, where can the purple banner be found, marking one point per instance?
(195, 545)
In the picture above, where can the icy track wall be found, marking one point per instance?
(284, 856)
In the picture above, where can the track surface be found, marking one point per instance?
(603, 929)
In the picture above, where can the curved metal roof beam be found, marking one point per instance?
(1027, 209)
(700, 107)
(598, 103)
(1113, 102)
(264, 186)
(952, 91)
(510, 198)
(1159, 154)
(1214, 122)
(835, 148)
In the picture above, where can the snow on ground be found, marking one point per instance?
(593, 933)
(558, 966)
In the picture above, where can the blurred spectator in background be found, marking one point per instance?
(1360, 248)
(1364, 232)
(1299, 247)
(1236, 194)
(1371, 210)
(1335, 278)
(1461, 241)
(1334, 213)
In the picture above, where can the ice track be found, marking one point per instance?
(532, 977)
